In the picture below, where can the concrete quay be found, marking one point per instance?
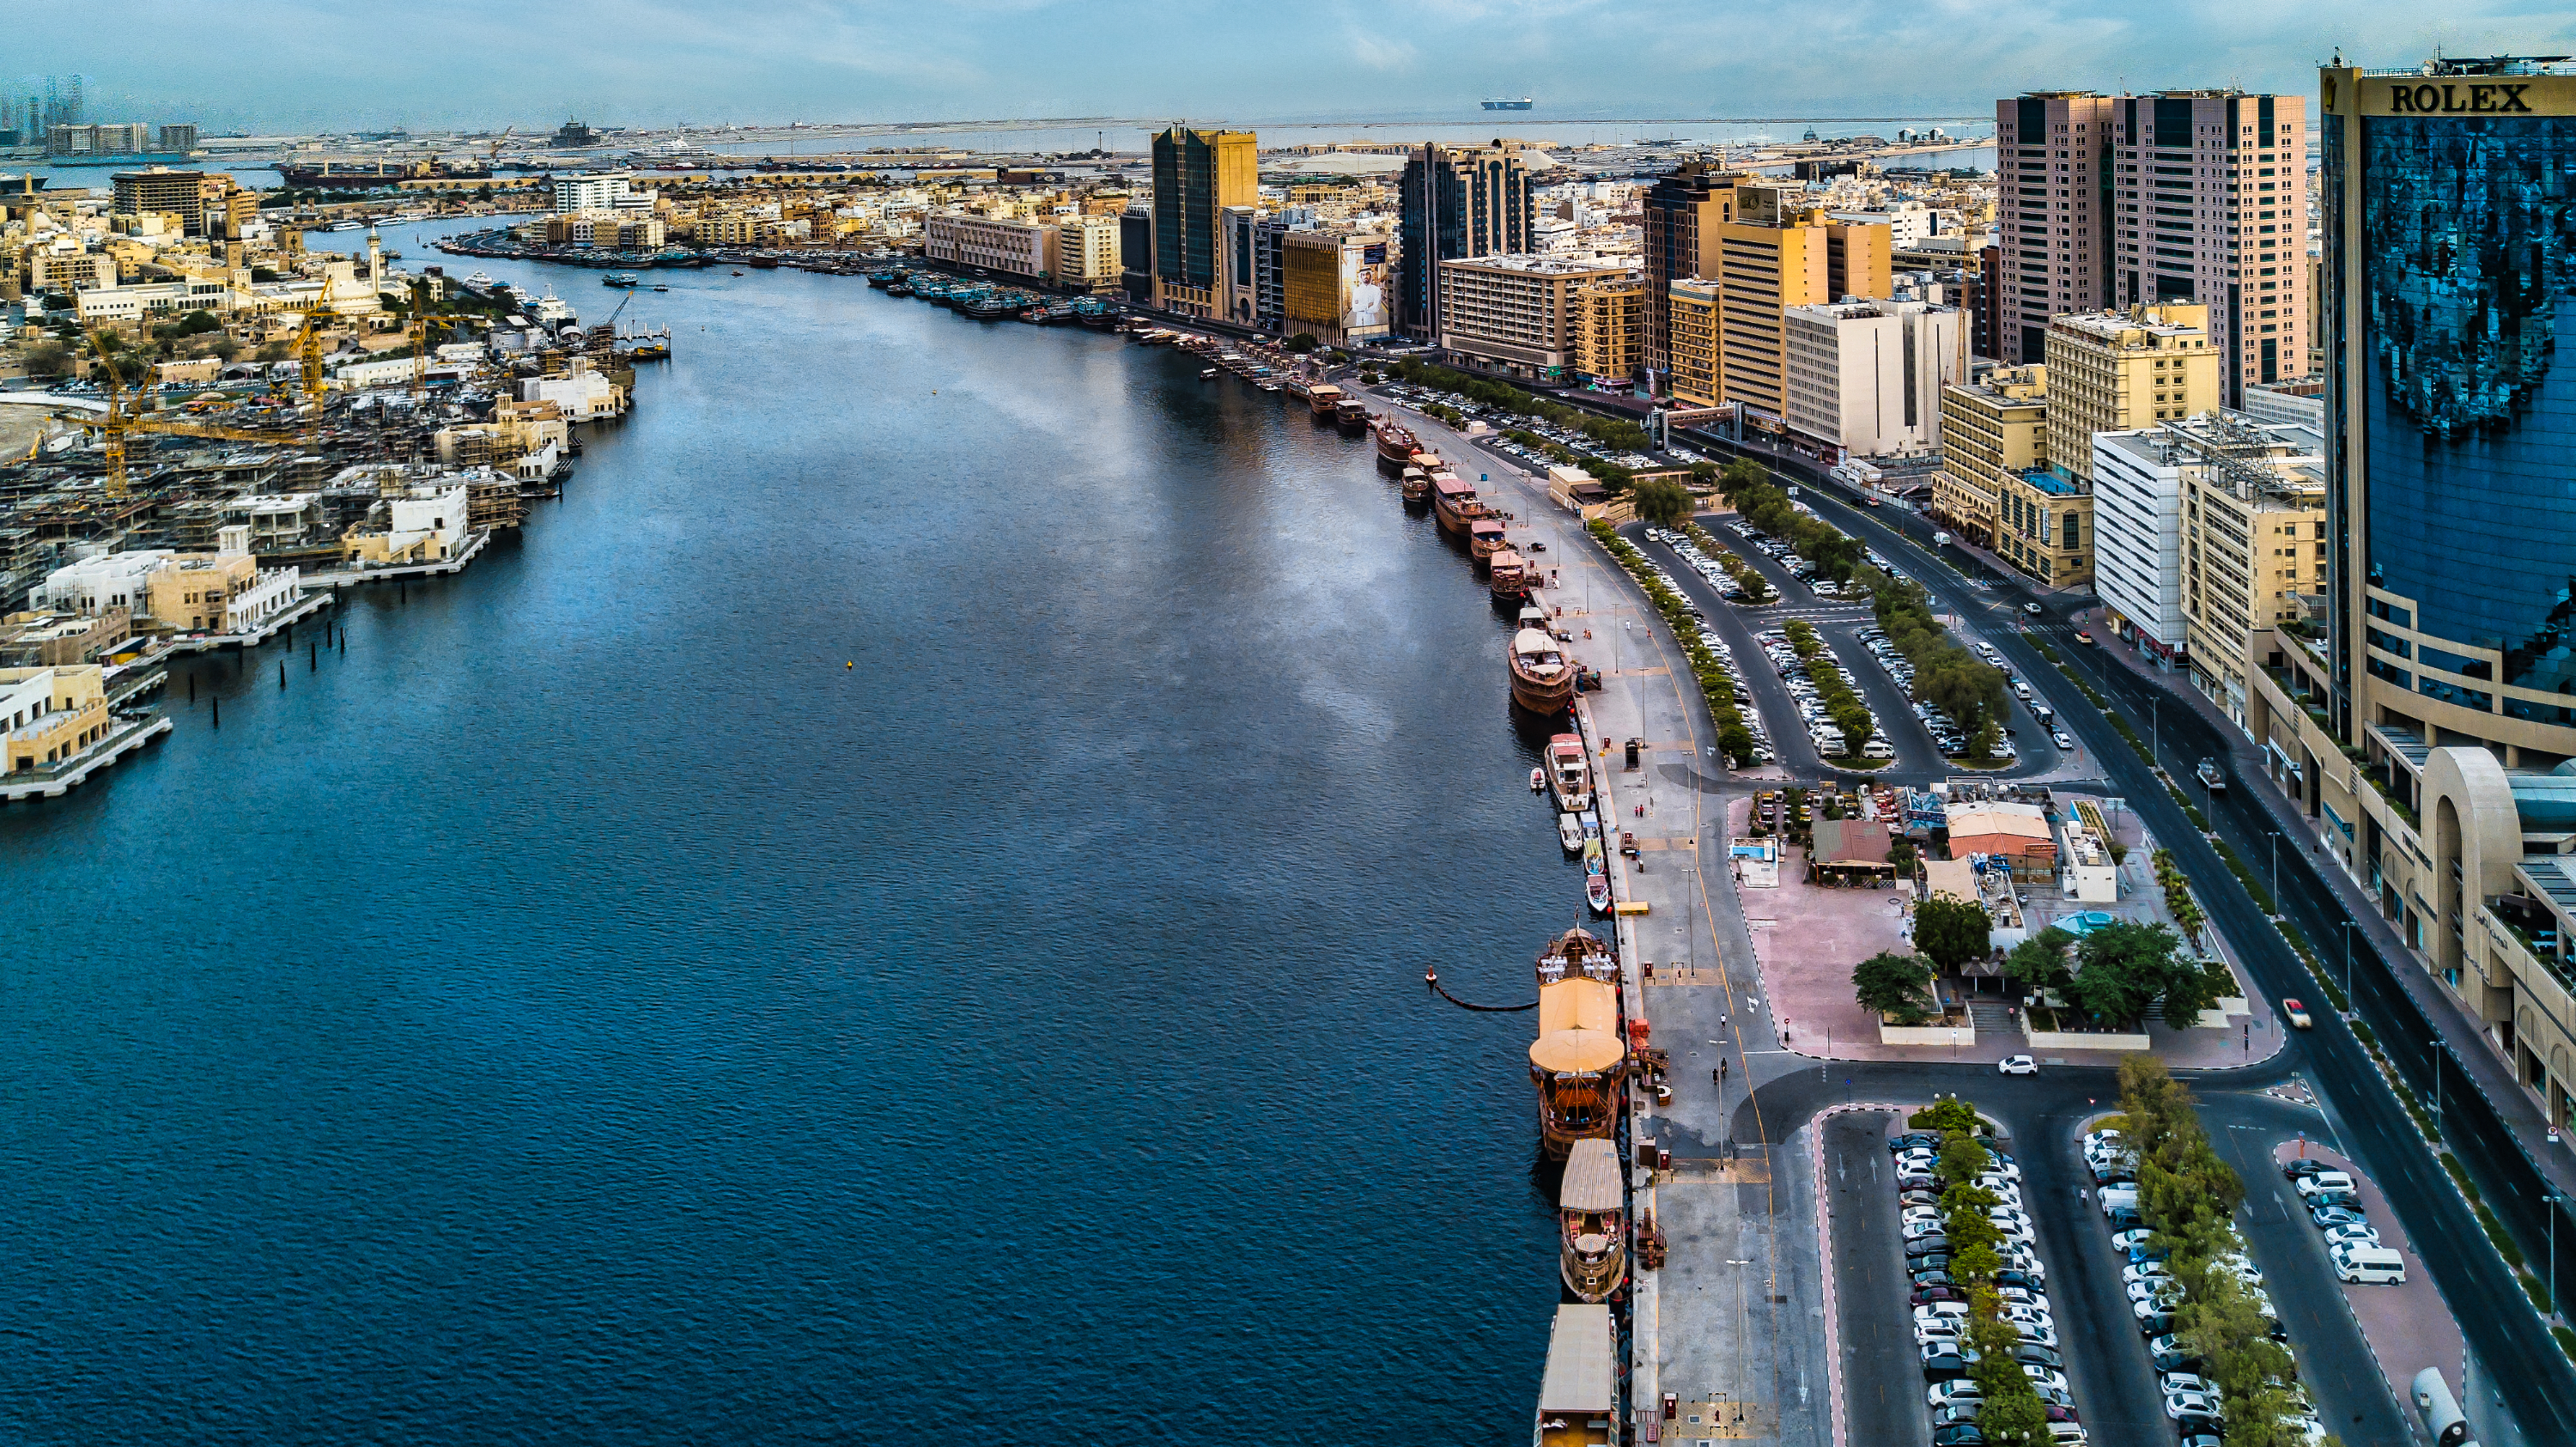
(269, 627)
(1732, 1327)
(344, 577)
(60, 779)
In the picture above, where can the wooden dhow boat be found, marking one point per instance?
(1543, 683)
(1592, 1221)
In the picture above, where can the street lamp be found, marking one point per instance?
(2276, 868)
(2554, 1200)
(2347, 962)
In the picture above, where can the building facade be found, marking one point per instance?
(1008, 245)
(2210, 190)
(1516, 314)
(1087, 257)
(2253, 545)
(1866, 376)
(2117, 371)
(1690, 314)
(1610, 321)
(1197, 174)
(1680, 217)
(48, 715)
(1992, 427)
(1334, 285)
(2053, 217)
(2137, 533)
(181, 193)
(1456, 201)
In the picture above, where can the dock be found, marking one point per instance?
(276, 623)
(345, 577)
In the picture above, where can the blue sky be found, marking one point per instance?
(300, 64)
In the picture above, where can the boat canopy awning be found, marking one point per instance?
(1592, 1180)
(1578, 1379)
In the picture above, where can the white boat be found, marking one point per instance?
(480, 278)
(1538, 780)
(1569, 832)
(551, 309)
(346, 226)
(1596, 893)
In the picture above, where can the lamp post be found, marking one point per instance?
(2276, 868)
(2347, 962)
(2554, 1200)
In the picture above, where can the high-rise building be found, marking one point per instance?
(1135, 253)
(181, 193)
(1690, 312)
(179, 138)
(1456, 201)
(1866, 376)
(2424, 727)
(1333, 284)
(1610, 321)
(1681, 215)
(1087, 253)
(2210, 188)
(1769, 260)
(2053, 216)
(1238, 292)
(1197, 174)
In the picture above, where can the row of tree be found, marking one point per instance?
(1743, 485)
(2011, 1414)
(1609, 432)
(1716, 681)
(2189, 1197)
(1841, 705)
(1946, 676)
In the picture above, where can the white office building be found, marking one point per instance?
(1867, 375)
(2137, 536)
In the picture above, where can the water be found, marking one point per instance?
(590, 1009)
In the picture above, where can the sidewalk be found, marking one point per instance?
(2466, 1036)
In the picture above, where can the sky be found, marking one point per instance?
(268, 66)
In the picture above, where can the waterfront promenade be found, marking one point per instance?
(1732, 1326)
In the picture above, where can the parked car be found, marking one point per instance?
(2179, 1405)
(2017, 1065)
(2310, 1186)
(2325, 1216)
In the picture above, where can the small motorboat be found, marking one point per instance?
(661, 288)
(1569, 833)
(1596, 893)
(1207, 374)
(1538, 781)
(737, 271)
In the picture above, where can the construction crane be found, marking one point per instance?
(121, 419)
(308, 342)
(419, 333)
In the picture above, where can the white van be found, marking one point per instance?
(2114, 1198)
(2324, 1181)
(2369, 1265)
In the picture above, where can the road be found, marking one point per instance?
(2534, 1377)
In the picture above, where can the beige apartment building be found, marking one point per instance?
(49, 714)
(1517, 314)
(2253, 546)
(1691, 313)
(1610, 327)
(1086, 253)
(2115, 371)
(1991, 428)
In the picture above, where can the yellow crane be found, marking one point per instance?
(419, 332)
(121, 419)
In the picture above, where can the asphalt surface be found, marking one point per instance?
(2534, 1378)
(1882, 1371)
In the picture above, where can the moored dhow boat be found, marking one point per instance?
(1577, 1062)
(1506, 577)
(1577, 954)
(1453, 501)
(1484, 539)
(1351, 415)
(1395, 444)
(1578, 1396)
(1417, 486)
(1323, 397)
(1592, 1221)
(1567, 771)
(1543, 683)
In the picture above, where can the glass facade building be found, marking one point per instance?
(2450, 278)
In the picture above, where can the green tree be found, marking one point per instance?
(1893, 985)
(2039, 963)
(1950, 1117)
(1663, 501)
(272, 352)
(1951, 931)
(1900, 852)
(1704, 472)
(1302, 343)
(47, 359)
(2125, 966)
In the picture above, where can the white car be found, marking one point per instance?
(2017, 1065)
(2183, 1404)
(2324, 1181)
(2131, 1239)
(1942, 1311)
(2144, 1271)
(2351, 1236)
(1922, 1228)
(1942, 1394)
(2186, 1382)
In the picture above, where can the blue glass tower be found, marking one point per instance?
(2449, 208)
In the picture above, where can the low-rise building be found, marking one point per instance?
(48, 715)
(1008, 245)
(48, 640)
(1087, 257)
(422, 525)
(224, 593)
(2044, 526)
(92, 586)
(578, 397)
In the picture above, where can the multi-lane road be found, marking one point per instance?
(2532, 1375)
